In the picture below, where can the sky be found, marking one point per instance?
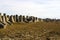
(38, 8)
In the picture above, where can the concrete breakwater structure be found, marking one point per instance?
(9, 19)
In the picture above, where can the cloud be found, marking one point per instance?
(39, 8)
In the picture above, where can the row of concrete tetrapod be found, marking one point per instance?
(8, 19)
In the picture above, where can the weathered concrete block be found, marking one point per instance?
(31, 19)
(11, 19)
(3, 19)
(0, 17)
(36, 19)
(2, 25)
(20, 18)
(14, 18)
(17, 18)
(7, 18)
(24, 18)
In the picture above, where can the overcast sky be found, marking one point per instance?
(39, 8)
